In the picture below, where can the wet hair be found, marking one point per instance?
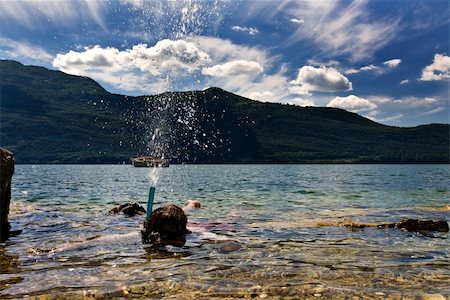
(166, 226)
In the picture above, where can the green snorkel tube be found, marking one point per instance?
(151, 197)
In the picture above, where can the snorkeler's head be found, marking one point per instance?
(166, 224)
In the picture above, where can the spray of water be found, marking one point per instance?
(168, 122)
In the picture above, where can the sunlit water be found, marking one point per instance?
(274, 211)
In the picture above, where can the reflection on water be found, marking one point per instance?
(258, 233)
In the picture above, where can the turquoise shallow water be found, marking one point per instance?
(276, 213)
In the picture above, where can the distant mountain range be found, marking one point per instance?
(51, 117)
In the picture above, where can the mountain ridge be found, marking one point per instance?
(48, 116)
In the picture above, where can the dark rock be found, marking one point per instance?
(166, 226)
(422, 225)
(408, 225)
(6, 173)
(129, 209)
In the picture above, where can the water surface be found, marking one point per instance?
(275, 212)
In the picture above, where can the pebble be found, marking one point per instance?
(124, 291)
(137, 289)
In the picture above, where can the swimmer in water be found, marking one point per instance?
(169, 227)
(191, 205)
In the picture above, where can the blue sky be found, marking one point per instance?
(385, 60)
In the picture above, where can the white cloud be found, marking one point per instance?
(301, 102)
(261, 96)
(194, 63)
(352, 71)
(222, 51)
(378, 69)
(234, 68)
(319, 63)
(438, 70)
(390, 118)
(352, 103)
(370, 68)
(165, 56)
(33, 13)
(141, 68)
(249, 30)
(392, 63)
(405, 81)
(434, 111)
(254, 85)
(324, 79)
(297, 21)
(23, 51)
(338, 28)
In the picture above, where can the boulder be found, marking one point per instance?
(166, 226)
(6, 172)
(128, 209)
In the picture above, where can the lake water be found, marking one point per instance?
(285, 217)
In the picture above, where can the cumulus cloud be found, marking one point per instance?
(141, 66)
(438, 70)
(249, 30)
(165, 56)
(267, 85)
(392, 63)
(222, 50)
(324, 79)
(301, 102)
(352, 103)
(193, 63)
(23, 51)
(234, 68)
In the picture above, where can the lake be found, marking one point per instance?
(286, 219)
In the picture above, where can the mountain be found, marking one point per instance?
(51, 117)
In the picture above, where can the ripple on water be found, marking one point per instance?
(281, 247)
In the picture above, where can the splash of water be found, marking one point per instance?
(153, 176)
(166, 118)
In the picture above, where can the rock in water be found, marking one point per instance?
(6, 173)
(422, 225)
(166, 226)
(230, 247)
(129, 209)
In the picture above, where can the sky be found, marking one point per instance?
(387, 60)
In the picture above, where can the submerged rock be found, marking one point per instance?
(230, 247)
(414, 225)
(129, 209)
(422, 225)
(6, 172)
(166, 226)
